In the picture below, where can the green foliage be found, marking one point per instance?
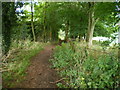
(79, 67)
(60, 85)
(103, 10)
(19, 60)
(61, 51)
(8, 16)
(50, 17)
(86, 68)
(105, 43)
(101, 73)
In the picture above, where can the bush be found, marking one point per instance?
(86, 70)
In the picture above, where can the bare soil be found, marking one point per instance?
(39, 73)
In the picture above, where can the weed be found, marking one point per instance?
(86, 68)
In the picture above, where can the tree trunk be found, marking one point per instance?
(91, 25)
(44, 26)
(66, 31)
(50, 34)
(32, 25)
(79, 38)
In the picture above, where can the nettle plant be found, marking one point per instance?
(86, 70)
(102, 72)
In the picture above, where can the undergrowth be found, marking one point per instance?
(15, 65)
(86, 68)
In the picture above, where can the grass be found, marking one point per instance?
(19, 60)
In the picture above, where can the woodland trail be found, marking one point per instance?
(39, 73)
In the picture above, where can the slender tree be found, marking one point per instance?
(44, 25)
(32, 22)
(66, 31)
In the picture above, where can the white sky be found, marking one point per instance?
(27, 7)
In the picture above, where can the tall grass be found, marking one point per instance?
(19, 59)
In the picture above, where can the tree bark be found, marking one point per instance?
(44, 22)
(91, 24)
(66, 31)
(32, 25)
(50, 34)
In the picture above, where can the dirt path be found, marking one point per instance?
(39, 73)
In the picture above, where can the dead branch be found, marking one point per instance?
(4, 70)
(6, 57)
(58, 80)
(4, 64)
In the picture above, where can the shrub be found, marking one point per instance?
(83, 69)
